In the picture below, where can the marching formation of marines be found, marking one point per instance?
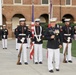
(56, 36)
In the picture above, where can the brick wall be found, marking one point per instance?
(10, 10)
(8, 1)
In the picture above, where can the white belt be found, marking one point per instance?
(22, 34)
(67, 34)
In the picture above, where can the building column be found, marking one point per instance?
(0, 13)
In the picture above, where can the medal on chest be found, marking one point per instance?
(56, 32)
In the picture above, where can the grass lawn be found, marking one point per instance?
(73, 47)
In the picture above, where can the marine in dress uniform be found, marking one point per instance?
(4, 37)
(52, 34)
(68, 33)
(38, 42)
(22, 41)
(74, 32)
(16, 36)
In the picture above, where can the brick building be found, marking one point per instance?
(12, 10)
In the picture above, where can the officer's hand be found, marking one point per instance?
(60, 46)
(43, 36)
(22, 40)
(53, 36)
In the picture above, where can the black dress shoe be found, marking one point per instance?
(5, 48)
(57, 69)
(26, 63)
(53, 61)
(40, 62)
(64, 61)
(27, 47)
(19, 63)
(51, 71)
(36, 62)
(70, 61)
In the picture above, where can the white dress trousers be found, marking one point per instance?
(4, 43)
(68, 50)
(38, 55)
(16, 44)
(24, 52)
(74, 36)
(28, 42)
(56, 54)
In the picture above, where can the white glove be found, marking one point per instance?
(33, 42)
(68, 39)
(22, 40)
(4, 36)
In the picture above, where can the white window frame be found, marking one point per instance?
(17, 3)
(44, 4)
(2, 1)
(68, 4)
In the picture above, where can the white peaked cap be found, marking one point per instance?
(67, 20)
(37, 20)
(4, 25)
(53, 19)
(22, 19)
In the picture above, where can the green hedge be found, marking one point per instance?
(73, 47)
(72, 24)
(45, 25)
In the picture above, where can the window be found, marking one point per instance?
(68, 2)
(44, 1)
(17, 1)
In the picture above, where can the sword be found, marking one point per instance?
(4, 40)
(19, 55)
(64, 60)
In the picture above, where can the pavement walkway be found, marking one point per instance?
(8, 59)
